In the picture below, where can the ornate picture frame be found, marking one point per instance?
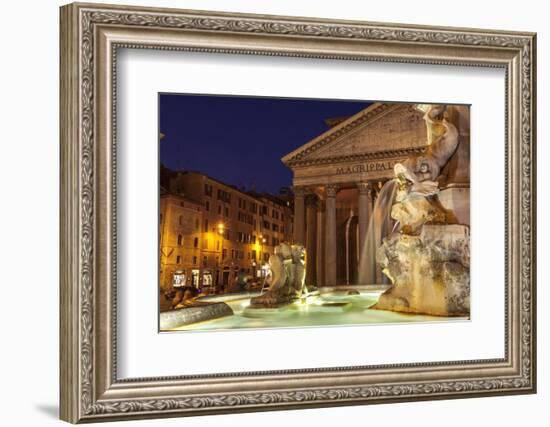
(90, 37)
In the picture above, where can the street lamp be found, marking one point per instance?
(221, 232)
(262, 241)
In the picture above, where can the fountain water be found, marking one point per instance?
(348, 240)
(380, 226)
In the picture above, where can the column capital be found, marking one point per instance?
(299, 191)
(320, 205)
(311, 200)
(364, 187)
(331, 190)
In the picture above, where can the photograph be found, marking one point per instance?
(291, 212)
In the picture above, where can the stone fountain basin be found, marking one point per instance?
(193, 314)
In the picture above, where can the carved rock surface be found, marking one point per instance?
(430, 272)
(415, 211)
(287, 266)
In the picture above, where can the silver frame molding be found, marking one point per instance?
(90, 37)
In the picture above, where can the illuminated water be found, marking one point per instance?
(380, 226)
(333, 308)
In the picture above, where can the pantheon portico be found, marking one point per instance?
(337, 177)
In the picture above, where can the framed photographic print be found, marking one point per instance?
(265, 212)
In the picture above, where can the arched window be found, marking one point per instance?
(180, 239)
(196, 242)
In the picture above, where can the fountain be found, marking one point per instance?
(288, 272)
(427, 258)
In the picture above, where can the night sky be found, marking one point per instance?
(240, 140)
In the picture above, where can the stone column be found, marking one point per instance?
(371, 245)
(363, 224)
(330, 237)
(379, 228)
(364, 213)
(320, 252)
(311, 241)
(299, 215)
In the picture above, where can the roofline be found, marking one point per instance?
(335, 131)
(244, 193)
(329, 131)
(179, 196)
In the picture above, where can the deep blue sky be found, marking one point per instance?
(240, 140)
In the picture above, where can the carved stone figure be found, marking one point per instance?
(428, 258)
(299, 268)
(421, 172)
(287, 266)
(430, 272)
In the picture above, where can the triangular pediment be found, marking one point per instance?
(381, 128)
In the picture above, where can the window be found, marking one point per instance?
(205, 244)
(207, 205)
(226, 211)
(224, 195)
(204, 261)
(196, 242)
(208, 190)
(194, 260)
(219, 209)
(224, 253)
(232, 253)
(178, 259)
(245, 217)
(254, 255)
(275, 227)
(180, 220)
(196, 223)
(180, 239)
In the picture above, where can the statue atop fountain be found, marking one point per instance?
(427, 256)
(288, 273)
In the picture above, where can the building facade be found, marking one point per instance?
(180, 240)
(340, 176)
(237, 232)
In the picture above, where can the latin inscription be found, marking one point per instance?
(375, 166)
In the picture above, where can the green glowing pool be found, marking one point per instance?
(328, 308)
